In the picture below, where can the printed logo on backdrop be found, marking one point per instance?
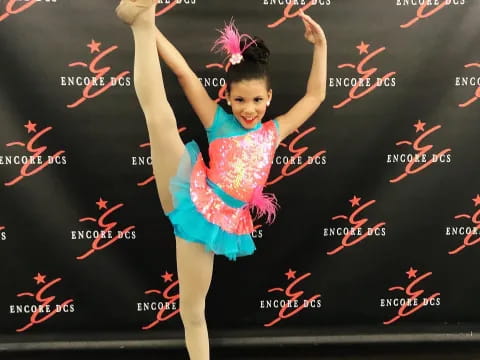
(426, 8)
(291, 300)
(3, 233)
(168, 5)
(257, 232)
(414, 296)
(216, 82)
(106, 233)
(293, 8)
(40, 304)
(471, 232)
(168, 304)
(94, 80)
(147, 161)
(357, 228)
(420, 158)
(472, 81)
(296, 157)
(15, 7)
(368, 79)
(35, 158)
(219, 82)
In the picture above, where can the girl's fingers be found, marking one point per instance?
(308, 19)
(313, 22)
(307, 26)
(305, 22)
(305, 16)
(315, 27)
(310, 24)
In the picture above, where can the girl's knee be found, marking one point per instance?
(192, 317)
(162, 125)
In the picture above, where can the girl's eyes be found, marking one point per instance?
(257, 100)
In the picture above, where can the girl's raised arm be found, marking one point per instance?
(316, 86)
(196, 94)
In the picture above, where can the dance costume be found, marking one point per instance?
(212, 205)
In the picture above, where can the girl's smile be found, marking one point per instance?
(249, 100)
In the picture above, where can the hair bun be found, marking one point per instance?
(257, 52)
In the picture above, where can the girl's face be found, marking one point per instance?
(248, 99)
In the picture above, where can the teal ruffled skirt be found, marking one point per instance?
(189, 224)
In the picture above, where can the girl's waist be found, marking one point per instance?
(226, 198)
(264, 204)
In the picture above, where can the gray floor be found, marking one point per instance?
(453, 343)
(364, 352)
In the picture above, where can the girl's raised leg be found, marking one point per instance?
(165, 142)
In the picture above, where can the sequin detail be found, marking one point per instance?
(213, 208)
(241, 163)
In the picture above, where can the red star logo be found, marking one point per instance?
(30, 127)
(363, 48)
(94, 46)
(40, 278)
(411, 273)
(290, 274)
(476, 200)
(419, 126)
(167, 277)
(102, 204)
(355, 201)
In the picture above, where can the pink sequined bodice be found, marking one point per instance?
(239, 164)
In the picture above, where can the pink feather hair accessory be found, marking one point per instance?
(230, 42)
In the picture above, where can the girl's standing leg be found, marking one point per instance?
(194, 264)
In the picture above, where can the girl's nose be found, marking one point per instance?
(249, 109)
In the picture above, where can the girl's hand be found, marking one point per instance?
(313, 31)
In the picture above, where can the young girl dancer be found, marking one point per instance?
(209, 207)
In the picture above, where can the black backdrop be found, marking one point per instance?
(359, 170)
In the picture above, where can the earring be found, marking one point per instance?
(229, 103)
(268, 103)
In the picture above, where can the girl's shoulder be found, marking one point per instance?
(221, 117)
(224, 125)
